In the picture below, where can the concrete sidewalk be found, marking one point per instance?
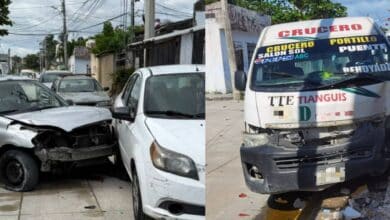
(227, 195)
(90, 194)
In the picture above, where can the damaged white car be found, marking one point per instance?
(39, 131)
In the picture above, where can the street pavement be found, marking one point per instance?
(88, 193)
(227, 195)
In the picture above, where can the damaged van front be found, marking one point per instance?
(316, 105)
(40, 132)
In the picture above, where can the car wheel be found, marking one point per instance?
(18, 171)
(137, 199)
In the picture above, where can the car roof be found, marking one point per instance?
(58, 72)
(13, 78)
(173, 69)
(77, 77)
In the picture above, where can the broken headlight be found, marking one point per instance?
(173, 162)
(255, 140)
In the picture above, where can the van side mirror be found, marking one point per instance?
(123, 113)
(240, 80)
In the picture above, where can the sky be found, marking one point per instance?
(43, 16)
(379, 10)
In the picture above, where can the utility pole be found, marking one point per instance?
(9, 61)
(132, 20)
(230, 47)
(65, 35)
(149, 8)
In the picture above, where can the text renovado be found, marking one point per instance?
(320, 29)
(290, 100)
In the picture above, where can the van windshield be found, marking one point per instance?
(314, 64)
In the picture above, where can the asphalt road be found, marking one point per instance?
(227, 195)
(88, 193)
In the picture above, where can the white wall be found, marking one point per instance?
(218, 79)
(81, 66)
(186, 48)
(72, 63)
(217, 66)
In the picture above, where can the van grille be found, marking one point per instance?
(322, 159)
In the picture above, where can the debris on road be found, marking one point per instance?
(242, 195)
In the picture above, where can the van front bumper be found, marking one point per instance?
(270, 168)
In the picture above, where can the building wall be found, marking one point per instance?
(72, 63)
(217, 66)
(246, 28)
(105, 69)
(186, 48)
(81, 66)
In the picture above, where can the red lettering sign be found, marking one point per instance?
(321, 29)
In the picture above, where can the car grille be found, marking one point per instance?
(322, 159)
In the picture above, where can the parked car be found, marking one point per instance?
(82, 90)
(48, 77)
(39, 131)
(160, 125)
(29, 73)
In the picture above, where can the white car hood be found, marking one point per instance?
(85, 97)
(65, 118)
(182, 136)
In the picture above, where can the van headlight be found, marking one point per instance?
(173, 162)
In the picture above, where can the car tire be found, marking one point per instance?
(137, 199)
(18, 171)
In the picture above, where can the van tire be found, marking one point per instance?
(18, 171)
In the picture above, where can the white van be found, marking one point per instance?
(316, 105)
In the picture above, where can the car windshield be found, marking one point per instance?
(79, 85)
(175, 96)
(24, 96)
(51, 77)
(317, 63)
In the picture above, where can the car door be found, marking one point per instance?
(125, 128)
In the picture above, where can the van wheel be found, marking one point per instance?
(137, 199)
(18, 171)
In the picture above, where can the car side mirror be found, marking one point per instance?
(123, 113)
(106, 89)
(240, 80)
(70, 102)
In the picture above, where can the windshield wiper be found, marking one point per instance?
(358, 80)
(174, 113)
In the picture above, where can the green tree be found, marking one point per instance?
(283, 11)
(113, 39)
(75, 43)
(31, 61)
(16, 63)
(4, 13)
(50, 43)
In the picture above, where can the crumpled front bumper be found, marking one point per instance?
(270, 168)
(65, 154)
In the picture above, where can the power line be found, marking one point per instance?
(42, 6)
(100, 23)
(172, 9)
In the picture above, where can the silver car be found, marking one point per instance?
(39, 131)
(82, 90)
(48, 77)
